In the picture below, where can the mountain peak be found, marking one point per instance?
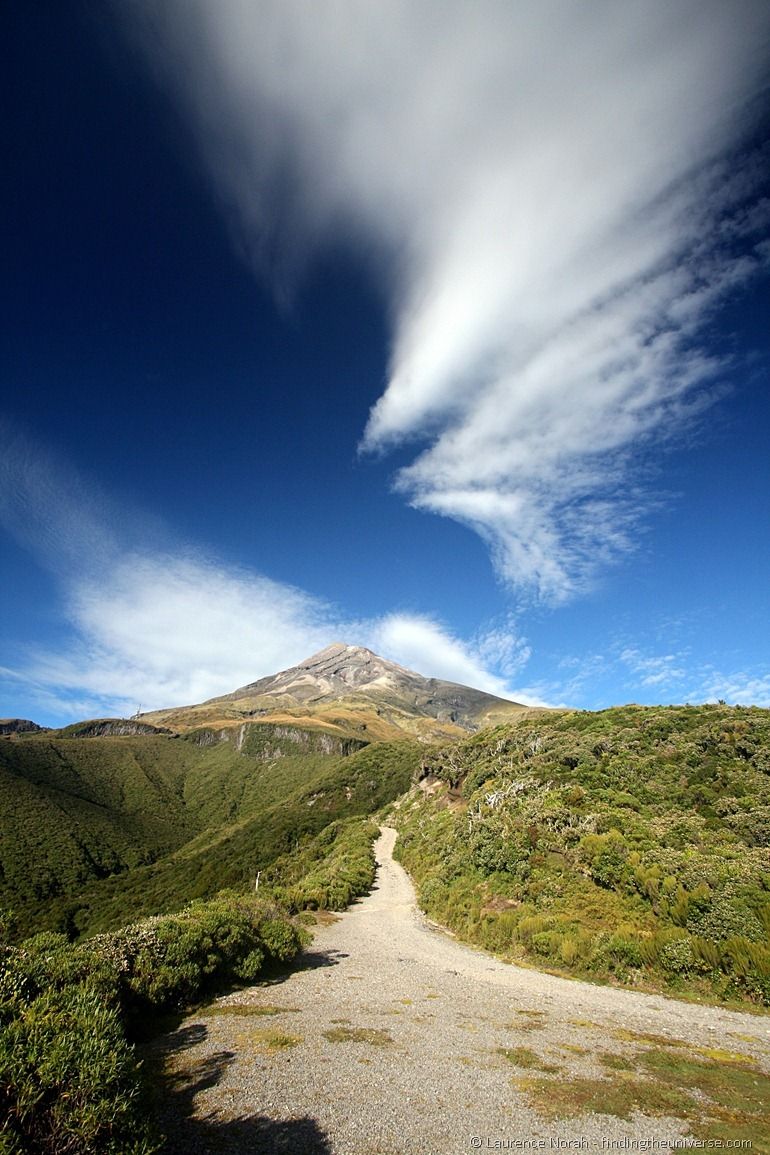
(336, 651)
(341, 672)
(354, 687)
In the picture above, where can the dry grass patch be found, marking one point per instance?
(566, 1098)
(322, 917)
(246, 1009)
(615, 1062)
(529, 1021)
(369, 1035)
(627, 1036)
(529, 1060)
(272, 1041)
(721, 1097)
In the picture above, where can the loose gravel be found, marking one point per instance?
(390, 1038)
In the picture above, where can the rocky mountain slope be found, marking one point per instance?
(349, 689)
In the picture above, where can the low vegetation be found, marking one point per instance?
(330, 870)
(69, 1011)
(371, 1035)
(69, 1079)
(629, 845)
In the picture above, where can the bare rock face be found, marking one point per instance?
(111, 728)
(19, 726)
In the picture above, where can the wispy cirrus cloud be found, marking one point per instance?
(739, 687)
(638, 673)
(664, 670)
(550, 194)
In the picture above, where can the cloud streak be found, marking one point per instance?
(548, 192)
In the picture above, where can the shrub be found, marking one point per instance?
(676, 956)
(68, 1077)
(638, 831)
(606, 855)
(69, 1081)
(167, 961)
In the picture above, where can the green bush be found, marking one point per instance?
(170, 960)
(332, 869)
(676, 956)
(69, 1080)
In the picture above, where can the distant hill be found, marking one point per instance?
(99, 826)
(349, 690)
(10, 726)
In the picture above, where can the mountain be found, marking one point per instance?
(113, 815)
(349, 690)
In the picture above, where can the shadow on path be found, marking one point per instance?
(175, 1094)
(310, 960)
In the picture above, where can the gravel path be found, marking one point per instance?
(390, 1040)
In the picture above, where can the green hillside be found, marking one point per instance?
(78, 809)
(100, 830)
(629, 845)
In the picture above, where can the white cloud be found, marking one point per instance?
(167, 630)
(624, 673)
(50, 509)
(540, 183)
(740, 688)
(666, 671)
(420, 643)
(173, 630)
(172, 627)
(503, 647)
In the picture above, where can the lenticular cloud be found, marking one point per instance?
(551, 189)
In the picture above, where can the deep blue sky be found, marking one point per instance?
(147, 366)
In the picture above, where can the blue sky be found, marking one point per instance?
(433, 327)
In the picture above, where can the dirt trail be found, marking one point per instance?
(392, 1038)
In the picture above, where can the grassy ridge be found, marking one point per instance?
(630, 844)
(78, 809)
